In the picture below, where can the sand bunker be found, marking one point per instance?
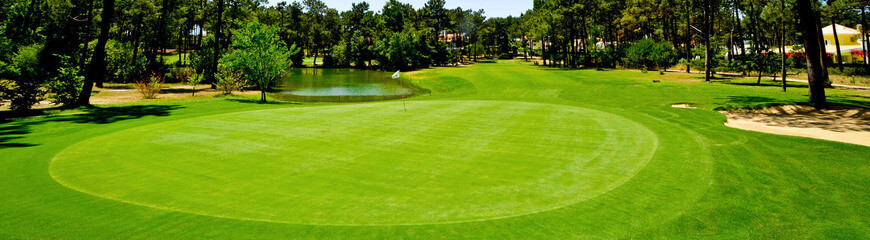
(842, 124)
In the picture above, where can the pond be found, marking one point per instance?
(342, 85)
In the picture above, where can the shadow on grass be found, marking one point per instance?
(252, 101)
(768, 84)
(749, 102)
(114, 114)
(851, 102)
(181, 90)
(11, 130)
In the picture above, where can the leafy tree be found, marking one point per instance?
(317, 28)
(26, 86)
(290, 20)
(65, 87)
(260, 55)
(649, 54)
(198, 63)
(396, 15)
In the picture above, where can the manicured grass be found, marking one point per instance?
(504, 150)
(387, 167)
(171, 59)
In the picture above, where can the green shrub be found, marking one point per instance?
(229, 81)
(181, 74)
(26, 85)
(647, 53)
(65, 87)
(506, 56)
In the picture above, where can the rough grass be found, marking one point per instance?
(703, 180)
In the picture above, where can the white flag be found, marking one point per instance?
(396, 75)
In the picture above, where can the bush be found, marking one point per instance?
(608, 57)
(229, 81)
(150, 86)
(698, 64)
(65, 87)
(647, 53)
(181, 74)
(25, 87)
(847, 71)
(505, 56)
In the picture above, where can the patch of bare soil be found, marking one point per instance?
(682, 105)
(840, 123)
(121, 95)
(114, 93)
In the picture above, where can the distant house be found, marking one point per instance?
(456, 40)
(850, 41)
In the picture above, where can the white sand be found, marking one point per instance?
(849, 125)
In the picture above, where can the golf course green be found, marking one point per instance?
(497, 151)
(443, 161)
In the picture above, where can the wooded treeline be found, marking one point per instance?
(54, 49)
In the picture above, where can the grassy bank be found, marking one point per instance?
(498, 150)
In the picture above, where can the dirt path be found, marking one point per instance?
(842, 124)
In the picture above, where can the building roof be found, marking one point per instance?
(841, 30)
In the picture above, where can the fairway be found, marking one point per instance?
(368, 164)
(500, 150)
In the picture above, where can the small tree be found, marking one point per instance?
(26, 86)
(187, 75)
(229, 81)
(260, 55)
(65, 87)
(663, 55)
(150, 86)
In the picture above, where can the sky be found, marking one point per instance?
(493, 8)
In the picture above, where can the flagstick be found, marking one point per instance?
(403, 104)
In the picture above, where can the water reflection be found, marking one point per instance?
(331, 85)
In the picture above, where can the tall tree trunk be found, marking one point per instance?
(543, 51)
(809, 23)
(740, 40)
(218, 36)
(756, 43)
(572, 45)
(864, 36)
(708, 17)
(782, 44)
(136, 37)
(822, 49)
(161, 31)
(837, 45)
(688, 36)
(731, 36)
(201, 25)
(97, 68)
(87, 30)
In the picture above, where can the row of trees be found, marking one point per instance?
(577, 33)
(125, 40)
(55, 43)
